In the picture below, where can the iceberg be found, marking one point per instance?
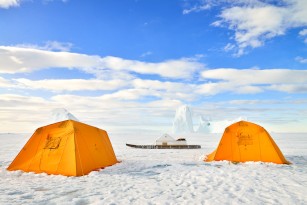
(204, 126)
(61, 114)
(183, 120)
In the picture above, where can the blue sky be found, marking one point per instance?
(127, 65)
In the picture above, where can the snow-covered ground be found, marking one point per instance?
(162, 176)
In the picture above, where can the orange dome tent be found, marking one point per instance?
(68, 148)
(245, 141)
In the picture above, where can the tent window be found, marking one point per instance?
(52, 142)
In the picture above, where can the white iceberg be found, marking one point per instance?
(183, 120)
(204, 126)
(61, 114)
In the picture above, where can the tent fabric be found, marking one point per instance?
(67, 148)
(245, 141)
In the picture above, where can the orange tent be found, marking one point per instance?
(68, 148)
(245, 141)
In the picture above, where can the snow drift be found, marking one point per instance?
(162, 177)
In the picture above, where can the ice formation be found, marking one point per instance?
(204, 126)
(61, 114)
(183, 120)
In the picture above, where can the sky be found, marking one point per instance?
(127, 65)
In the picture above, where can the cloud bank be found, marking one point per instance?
(114, 74)
(21, 59)
(122, 93)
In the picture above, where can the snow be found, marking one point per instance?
(162, 176)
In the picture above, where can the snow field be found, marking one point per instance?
(162, 176)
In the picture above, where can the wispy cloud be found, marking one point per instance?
(205, 5)
(47, 1)
(58, 85)
(148, 53)
(49, 46)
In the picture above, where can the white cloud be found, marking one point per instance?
(289, 88)
(115, 113)
(7, 99)
(181, 68)
(108, 113)
(4, 83)
(253, 25)
(9, 3)
(70, 84)
(214, 81)
(256, 21)
(17, 59)
(163, 86)
(168, 90)
(14, 3)
(232, 87)
(122, 89)
(252, 102)
(253, 81)
(119, 110)
(256, 76)
(303, 33)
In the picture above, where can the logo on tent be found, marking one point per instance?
(52, 142)
(244, 139)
